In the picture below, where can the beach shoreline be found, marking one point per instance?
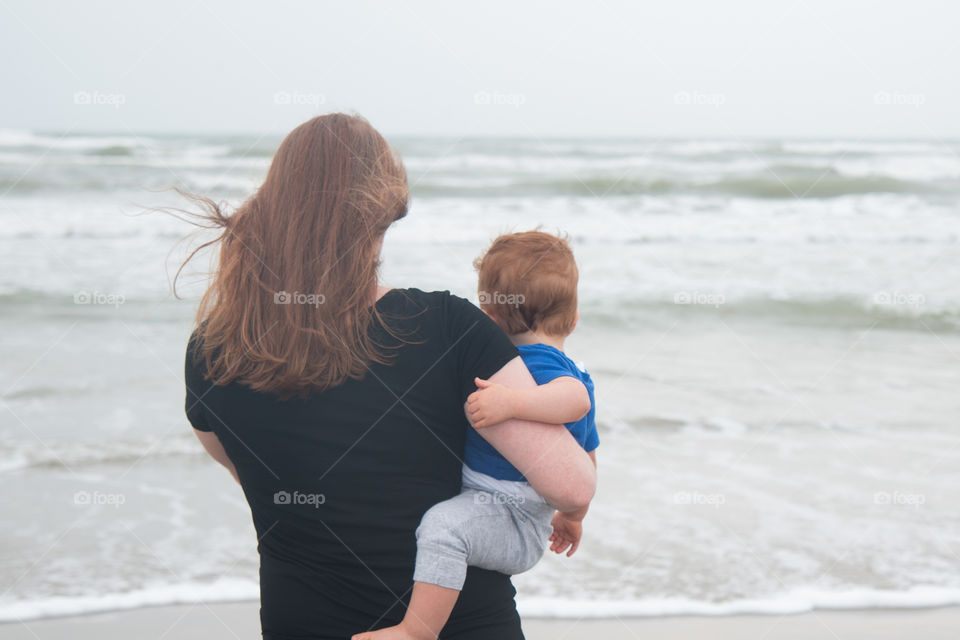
(240, 620)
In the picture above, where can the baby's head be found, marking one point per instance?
(528, 283)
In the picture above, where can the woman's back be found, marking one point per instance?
(337, 482)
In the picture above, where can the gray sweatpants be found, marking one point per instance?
(481, 529)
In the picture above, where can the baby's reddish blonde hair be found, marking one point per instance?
(528, 282)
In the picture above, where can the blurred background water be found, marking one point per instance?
(773, 327)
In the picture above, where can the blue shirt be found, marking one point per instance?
(545, 363)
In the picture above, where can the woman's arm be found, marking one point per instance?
(549, 457)
(214, 447)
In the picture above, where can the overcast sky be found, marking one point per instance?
(722, 69)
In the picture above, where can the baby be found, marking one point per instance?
(528, 285)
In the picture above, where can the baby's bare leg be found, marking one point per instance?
(430, 606)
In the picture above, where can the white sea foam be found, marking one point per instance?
(78, 455)
(223, 590)
(235, 590)
(793, 602)
(865, 147)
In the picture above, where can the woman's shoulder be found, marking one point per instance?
(415, 294)
(417, 299)
(446, 313)
(193, 359)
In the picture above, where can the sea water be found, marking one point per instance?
(773, 327)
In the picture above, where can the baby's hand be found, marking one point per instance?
(490, 404)
(566, 533)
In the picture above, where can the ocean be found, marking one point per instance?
(773, 327)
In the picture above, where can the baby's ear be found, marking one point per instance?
(576, 319)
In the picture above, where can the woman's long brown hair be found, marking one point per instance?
(290, 306)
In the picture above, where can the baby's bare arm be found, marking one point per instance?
(564, 399)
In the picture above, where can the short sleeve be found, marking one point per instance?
(197, 387)
(545, 369)
(480, 346)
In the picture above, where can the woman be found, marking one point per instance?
(338, 404)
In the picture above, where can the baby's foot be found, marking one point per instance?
(399, 632)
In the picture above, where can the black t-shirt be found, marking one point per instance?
(337, 482)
